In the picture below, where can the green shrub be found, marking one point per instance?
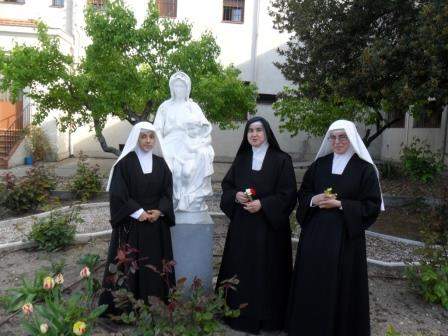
(37, 144)
(194, 312)
(431, 277)
(420, 163)
(390, 170)
(391, 331)
(86, 183)
(55, 231)
(30, 192)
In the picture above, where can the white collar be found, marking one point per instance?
(258, 155)
(340, 161)
(145, 159)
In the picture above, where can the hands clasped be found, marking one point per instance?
(324, 201)
(251, 206)
(150, 216)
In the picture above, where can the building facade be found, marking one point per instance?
(245, 33)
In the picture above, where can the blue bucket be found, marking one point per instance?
(29, 160)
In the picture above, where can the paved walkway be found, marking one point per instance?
(67, 168)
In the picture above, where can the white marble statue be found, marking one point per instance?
(186, 138)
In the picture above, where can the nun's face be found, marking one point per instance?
(179, 90)
(256, 134)
(146, 140)
(339, 141)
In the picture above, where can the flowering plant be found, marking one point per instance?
(250, 193)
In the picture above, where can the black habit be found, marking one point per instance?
(258, 246)
(131, 190)
(329, 293)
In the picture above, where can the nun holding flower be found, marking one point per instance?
(259, 194)
(340, 197)
(141, 207)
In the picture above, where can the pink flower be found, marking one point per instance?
(59, 279)
(27, 308)
(85, 272)
(48, 283)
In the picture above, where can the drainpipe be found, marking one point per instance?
(256, 19)
(445, 133)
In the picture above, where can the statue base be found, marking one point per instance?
(192, 238)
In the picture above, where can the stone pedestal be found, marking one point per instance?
(192, 238)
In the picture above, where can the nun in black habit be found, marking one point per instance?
(329, 291)
(258, 243)
(141, 208)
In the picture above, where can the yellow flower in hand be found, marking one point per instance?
(79, 328)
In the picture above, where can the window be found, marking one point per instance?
(233, 11)
(98, 4)
(58, 3)
(428, 119)
(398, 124)
(167, 8)
(265, 98)
(14, 1)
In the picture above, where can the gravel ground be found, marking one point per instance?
(392, 302)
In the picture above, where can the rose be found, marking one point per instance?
(48, 283)
(79, 328)
(27, 308)
(43, 328)
(250, 192)
(85, 272)
(59, 279)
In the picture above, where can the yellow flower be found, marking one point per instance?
(43, 328)
(59, 279)
(79, 328)
(27, 308)
(48, 283)
(85, 272)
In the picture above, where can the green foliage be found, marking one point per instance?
(86, 183)
(185, 312)
(51, 307)
(391, 331)
(387, 56)
(390, 170)
(431, 277)
(125, 72)
(420, 163)
(30, 192)
(56, 231)
(37, 144)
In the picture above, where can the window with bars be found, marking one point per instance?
(98, 4)
(428, 119)
(14, 1)
(58, 3)
(167, 8)
(233, 11)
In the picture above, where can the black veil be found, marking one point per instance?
(246, 146)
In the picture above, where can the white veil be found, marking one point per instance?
(132, 142)
(355, 141)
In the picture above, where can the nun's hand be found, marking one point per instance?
(241, 197)
(319, 198)
(330, 203)
(253, 206)
(144, 217)
(153, 215)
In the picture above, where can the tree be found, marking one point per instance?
(125, 72)
(368, 61)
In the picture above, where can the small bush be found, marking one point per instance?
(390, 170)
(431, 277)
(420, 163)
(30, 192)
(37, 144)
(55, 231)
(87, 181)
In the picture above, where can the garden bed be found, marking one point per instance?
(392, 302)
